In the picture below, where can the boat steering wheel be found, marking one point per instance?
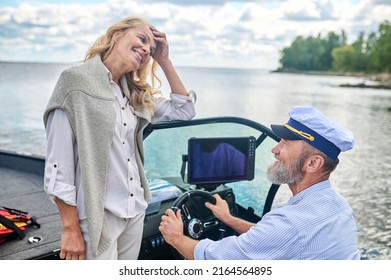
(198, 221)
(194, 223)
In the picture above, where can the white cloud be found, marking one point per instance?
(200, 33)
(301, 10)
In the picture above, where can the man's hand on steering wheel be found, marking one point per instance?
(220, 209)
(171, 226)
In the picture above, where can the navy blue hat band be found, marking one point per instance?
(313, 138)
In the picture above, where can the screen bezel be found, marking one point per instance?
(244, 144)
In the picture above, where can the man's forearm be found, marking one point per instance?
(239, 225)
(185, 246)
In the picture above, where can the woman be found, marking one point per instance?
(94, 123)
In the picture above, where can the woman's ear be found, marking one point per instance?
(314, 163)
(116, 36)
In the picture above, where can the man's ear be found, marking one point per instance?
(314, 163)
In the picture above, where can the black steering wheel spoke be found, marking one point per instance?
(186, 213)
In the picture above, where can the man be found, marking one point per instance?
(316, 223)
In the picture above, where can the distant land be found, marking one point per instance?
(375, 81)
(368, 56)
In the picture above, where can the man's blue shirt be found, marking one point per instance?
(317, 223)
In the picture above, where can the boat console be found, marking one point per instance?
(199, 222)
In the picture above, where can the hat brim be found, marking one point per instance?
(284, 133)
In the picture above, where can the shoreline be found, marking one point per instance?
(376, 81)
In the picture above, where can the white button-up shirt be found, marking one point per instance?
(124, 194)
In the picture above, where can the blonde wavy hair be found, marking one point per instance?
(137, 80)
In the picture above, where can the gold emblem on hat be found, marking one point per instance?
(301, 133)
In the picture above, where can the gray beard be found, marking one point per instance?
(286, 174)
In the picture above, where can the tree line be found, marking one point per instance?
(368, 54)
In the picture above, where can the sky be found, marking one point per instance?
(231, 34)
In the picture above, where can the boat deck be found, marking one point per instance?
(21, 187)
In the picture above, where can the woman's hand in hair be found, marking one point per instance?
(160, 54)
